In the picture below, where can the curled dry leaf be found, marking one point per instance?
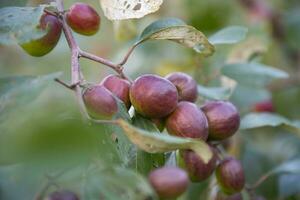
(129, 9)
(159, 143)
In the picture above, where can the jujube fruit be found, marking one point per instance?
(186, 86)
(83, 19)
(221, 196)
(264, 106)
(63, 195)
(197, 169)
(187, 120)
(42, 46)
(100, 102)
(223, 119)
(169, 182)
(119, 87)
(153, 96)
(230, 176)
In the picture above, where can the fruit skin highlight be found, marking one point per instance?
(153, 96)
(99, 102)
(186, 86)
(230, 176)
(83, 19)
(187, 121)
(42, 46)
(223, 119)
(195, 166)
(169, 182)
(119, 87)
(63, 195)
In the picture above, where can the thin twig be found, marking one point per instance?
(49, 12)
(259, 181)
(71, 87)
(117, 68)
(128, 54)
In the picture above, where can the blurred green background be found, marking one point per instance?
(41, 131)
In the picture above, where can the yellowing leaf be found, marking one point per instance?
(176, 30)
(159, 143)
(129, 9)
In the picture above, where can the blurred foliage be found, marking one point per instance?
(42, 133)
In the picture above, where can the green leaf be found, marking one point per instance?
(254, 74)
(160, 143)
(145, 161)
(21, 90)
(258, 120)
(229, 35)
(215, 93)
(143, 123)
(19, 24)
(291, 166)
(5, 3)
(289, 185)
(116, 183)
(176, 30)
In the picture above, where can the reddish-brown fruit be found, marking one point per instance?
(119, 87)
(187, 121)
(186, 86)
(221, 196)
(153, 96)
(195, 166)
(223, 119)
(63, 195)
(83, 19)
(264, 106)
(45, 44)
(100, 102)
(230, 176)
(169, 182)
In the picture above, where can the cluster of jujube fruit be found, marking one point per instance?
(169, 103)
(81, 17)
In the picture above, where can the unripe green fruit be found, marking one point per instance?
(169, 182)
(153, 96)
(100, 102)
(62, 195)
(223, 119)
(230, 176)
(45, 44)
(187, 121)
(195, 166)
(186, 86)
(119, 87)
(83, 19)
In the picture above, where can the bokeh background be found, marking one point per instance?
(41, 131)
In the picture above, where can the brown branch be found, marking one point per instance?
(116, 67)
(75, 67)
